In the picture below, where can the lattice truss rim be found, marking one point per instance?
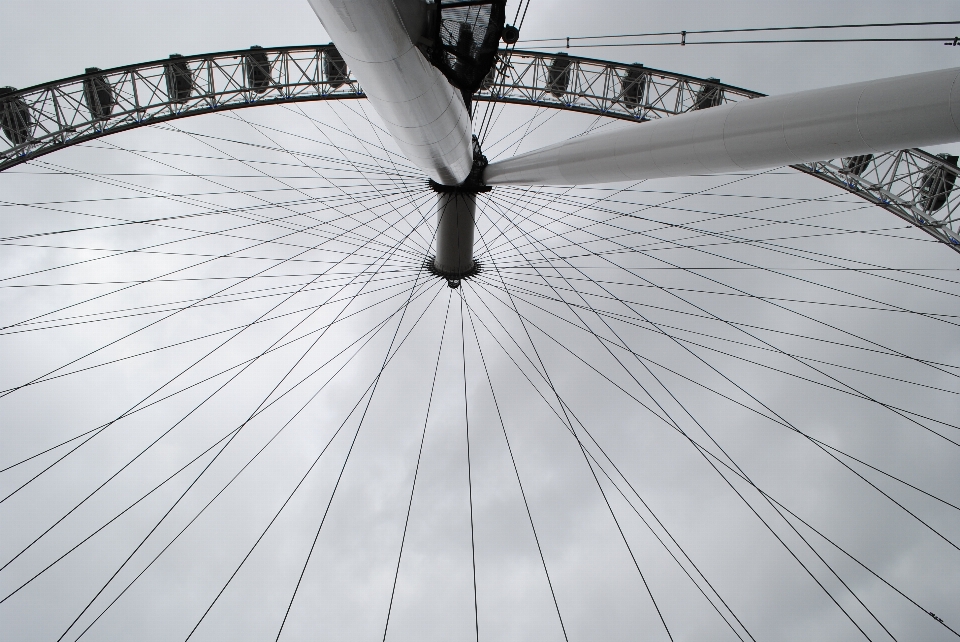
(912, 184)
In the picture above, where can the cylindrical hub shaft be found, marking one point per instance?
(455, 224)
(815, 125)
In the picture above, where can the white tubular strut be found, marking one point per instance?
(861, 118)
(425, 114)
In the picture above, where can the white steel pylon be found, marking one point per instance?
(431, 122)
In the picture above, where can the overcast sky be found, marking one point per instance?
(651, 349)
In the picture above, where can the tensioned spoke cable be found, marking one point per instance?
(139, 408)
(757, 222)
(678, 196)
(859, 563)
(186, 198)
(265, 319)
(564, 198)
(326, 511)
(747, 503)
(660, 539)
(818, 555)
(929, 527)
(416, 470)
(401, 261)
(258, 243)
(741, 292)
(391, 177)
(385, 181)
(207, 467)
(390, 157)
(610, 508)
(595, 253)
(169, 544)
(569, 424)
(466, 417)
(759, 490)
(825, 562)
(425, 245)
(694, 381)
(660, 245)
(372, 332)
(334, 163)
(309, 199)
(623, 536)
(530, 128)
(628, 320)
(266, 174)
(114, 518)
(182, 198)
(742, 330)
(138, 404)
(762, 243)
(100, 430)
(540, 393)
(160, 222)
(516, 273)
(413, 172)
(399, 161)
(516, 472)
(309, 470)
(703, 451)
(532, 194)
(275, 265)
(158, 308)
(366, 338)
(713, 440)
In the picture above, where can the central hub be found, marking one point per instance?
(456, 222)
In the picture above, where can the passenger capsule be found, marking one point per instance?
(558, 75)
(632, 86)
(98, 93)
(335, 68)
(709, 95)
(179, 79)
(257, 68)
(938, 181)
(15, 119)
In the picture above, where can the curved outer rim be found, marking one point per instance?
(60, 116)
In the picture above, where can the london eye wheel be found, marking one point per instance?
(255, 386)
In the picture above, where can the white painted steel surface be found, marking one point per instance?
(861, 118)
(421, 109)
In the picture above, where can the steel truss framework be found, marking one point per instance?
(913, 184)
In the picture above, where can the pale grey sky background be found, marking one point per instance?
(891, 336)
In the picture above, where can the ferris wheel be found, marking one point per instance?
(418, 335)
